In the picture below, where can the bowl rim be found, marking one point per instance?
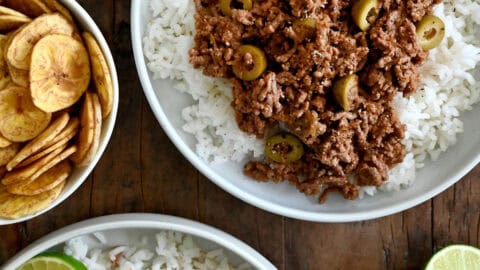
(141, 221)
(199, 164)
(78, 11)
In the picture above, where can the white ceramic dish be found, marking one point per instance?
(126, 229)
(283, 199)
(80, 174)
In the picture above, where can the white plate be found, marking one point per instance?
(79, 175)
(127, 229)
(283, 199)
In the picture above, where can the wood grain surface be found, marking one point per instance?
(142, 171)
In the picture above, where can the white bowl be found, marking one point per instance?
(127, 229)
(283, 199)
(80, 174)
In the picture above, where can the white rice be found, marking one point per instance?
(431, 115)
(173, 251)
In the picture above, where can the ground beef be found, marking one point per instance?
(343, 150)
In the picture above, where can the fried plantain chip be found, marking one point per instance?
(7, 153)
(17, 206)
(19, 51)
(60, 141)
(12, 12)
(25, 174)
(55, 6)
(32, 8)
(87, 129)
(92, 150)
(18, 76)
(21, 120)
(4, 142)
(59, 158)
(45, 182)
(10, 22)
(59, 73)
(101, 74)
(41, 141)
(4, 76)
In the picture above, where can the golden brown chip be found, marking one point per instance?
(18, 76)
(88, 157)
(4, 142)
(19, 52)
(60, 144)
(12, 12)
(55, 6)
(101, 74)
(87, 128)
(25, 174)
(9, 22)
(7, 153)
(32, 8)
(45, 182)
(17, 206)
(41, 141)
(59, 158)
(21, 120)
(59, 73)
(4, 76)
(69, 131)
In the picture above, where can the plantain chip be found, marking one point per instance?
(41, 141)
(87, 129)
(59, 73)
(92, 150)
(59, 158)
(16, 206)
(47, 181)
(18, 76)
(7, 153)
(4, 142)
(55, 6)
(4, 76)
(9, 22)
(32, 8)
(24, 174)
(101, 74)
(19, 52)
(21, 120)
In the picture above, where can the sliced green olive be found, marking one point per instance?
(365, 13)
(250, 71)
(284, 148)
(225, 6)
(430, 32)
(344, 89)
(305, 22)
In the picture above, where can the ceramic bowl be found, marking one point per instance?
(79, 175)
(284, 199)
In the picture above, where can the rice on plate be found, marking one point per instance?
(432, 115)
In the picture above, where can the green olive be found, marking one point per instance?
(225, 6)
(430, 32)
(305, 22)
(284, 148)
(365, 13)
(344, 89)
(253, 70)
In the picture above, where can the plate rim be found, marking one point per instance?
(200, 165)
(141, 221)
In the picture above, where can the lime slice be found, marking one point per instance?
(53, 261)
(455, 257)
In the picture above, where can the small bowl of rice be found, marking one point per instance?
(145, 241)
(442, 140)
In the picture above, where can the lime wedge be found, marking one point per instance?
(455, 257)
(53, 261)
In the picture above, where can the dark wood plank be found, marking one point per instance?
(457, 213)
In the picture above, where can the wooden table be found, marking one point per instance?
(142, 171)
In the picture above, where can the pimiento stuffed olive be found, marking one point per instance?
(284, 148)
(226, 6)
(251, 63)
(344, 89)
